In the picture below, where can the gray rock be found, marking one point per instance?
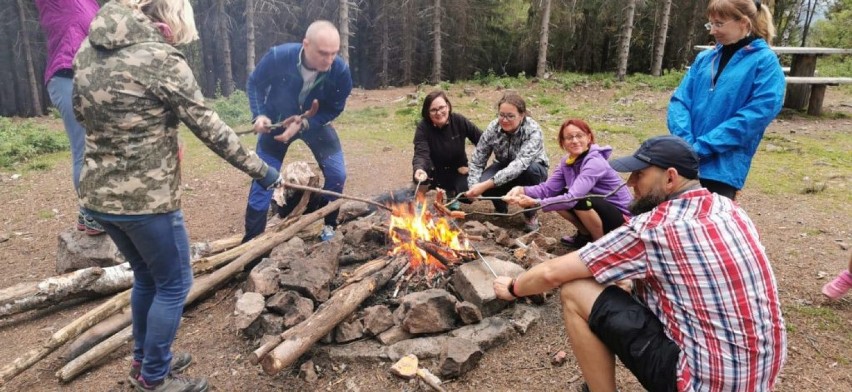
(458, 356)
(348, 331)
(308, 372)
(524, 317)
(392, 335)
(474, 283)
(427, 311)
(312, 275)
(78, 250)
(264, 277)
(294, 248)
(377, 319)
(488, 333)
(248, 308)
(292, 306)
(358, 351)
(468, 312)
(352, 209)
(473, 227)
(271, 324)
(423, 348)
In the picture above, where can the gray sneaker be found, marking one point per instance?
(174, 383)
(180, 361)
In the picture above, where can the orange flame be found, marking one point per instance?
(420, 224)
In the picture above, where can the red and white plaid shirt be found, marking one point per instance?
(701, 269)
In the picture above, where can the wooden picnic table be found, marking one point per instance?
(803, 65)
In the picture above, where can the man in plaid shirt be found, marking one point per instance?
(705, 314)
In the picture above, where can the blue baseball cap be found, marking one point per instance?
(663, 152)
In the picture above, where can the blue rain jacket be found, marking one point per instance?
(725, 122)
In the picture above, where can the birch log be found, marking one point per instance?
(94, 281)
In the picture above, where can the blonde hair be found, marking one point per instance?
(760, 19)
(176, 14)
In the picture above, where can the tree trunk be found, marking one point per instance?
(660, 42)
(407, 9)
(695, 18)
(95, 335)
(343, 16)
(36, 107)
(541, 66)
(299, 339)
(227, 76)
(436, 43)
(624, 40)
(85, 282)
(250, 28)
(384, 48)
(810, 11)
(95, 355)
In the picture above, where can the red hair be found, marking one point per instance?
(579, 124)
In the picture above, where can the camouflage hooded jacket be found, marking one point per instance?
(131, 91)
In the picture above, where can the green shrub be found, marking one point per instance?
(234, 110)
(24, 140)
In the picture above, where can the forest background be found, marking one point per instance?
(404, 42)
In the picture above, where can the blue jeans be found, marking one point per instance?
(324, 144)
(157, 247)
(60, 90)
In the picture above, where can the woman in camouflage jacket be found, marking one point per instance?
(132, 90)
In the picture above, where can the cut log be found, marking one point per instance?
(95, 355)
(294, 342)
(94, 281)
(97, 334)
(65, 334)
(205, 284)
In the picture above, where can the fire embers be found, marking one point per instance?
(431, 243)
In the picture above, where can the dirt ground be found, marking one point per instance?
(804, 235)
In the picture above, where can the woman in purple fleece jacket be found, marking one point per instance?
(584, 171)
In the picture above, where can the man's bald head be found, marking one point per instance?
(321, 45)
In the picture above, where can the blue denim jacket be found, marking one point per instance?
(273, 88)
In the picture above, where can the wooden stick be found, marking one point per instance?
(97, 334)
(65, 334)
(294, 342)
(335, 194)
(95, 355)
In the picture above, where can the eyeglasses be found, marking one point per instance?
(579, 136)
(717, 25)
(439, 109)
(507, 116)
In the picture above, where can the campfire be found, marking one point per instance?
(431, 243)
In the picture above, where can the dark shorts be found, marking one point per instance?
(611, 216)
(636, 336)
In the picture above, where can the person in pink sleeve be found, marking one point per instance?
(66, 25)
(840, 285)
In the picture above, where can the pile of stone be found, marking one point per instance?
(453, 325)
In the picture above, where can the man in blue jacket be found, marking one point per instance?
(284, 84)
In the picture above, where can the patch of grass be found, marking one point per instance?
(824, 318)
(44, 214)
(21, 141)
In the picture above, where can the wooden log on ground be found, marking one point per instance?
(95, 355)
(65, 334)
(94, 281)
(97, 334)
(294, 342)
(210, 282)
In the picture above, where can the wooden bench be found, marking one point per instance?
(818, 85)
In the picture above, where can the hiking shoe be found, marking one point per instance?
(92, 227)
(173, 383)
(180, 362)
(838, 287)
(327, 233)
(531, 224)
(577, 241)
(81, 222)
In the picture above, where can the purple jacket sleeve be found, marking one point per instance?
(593, 169)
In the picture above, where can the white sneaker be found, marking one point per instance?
(327, 233)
